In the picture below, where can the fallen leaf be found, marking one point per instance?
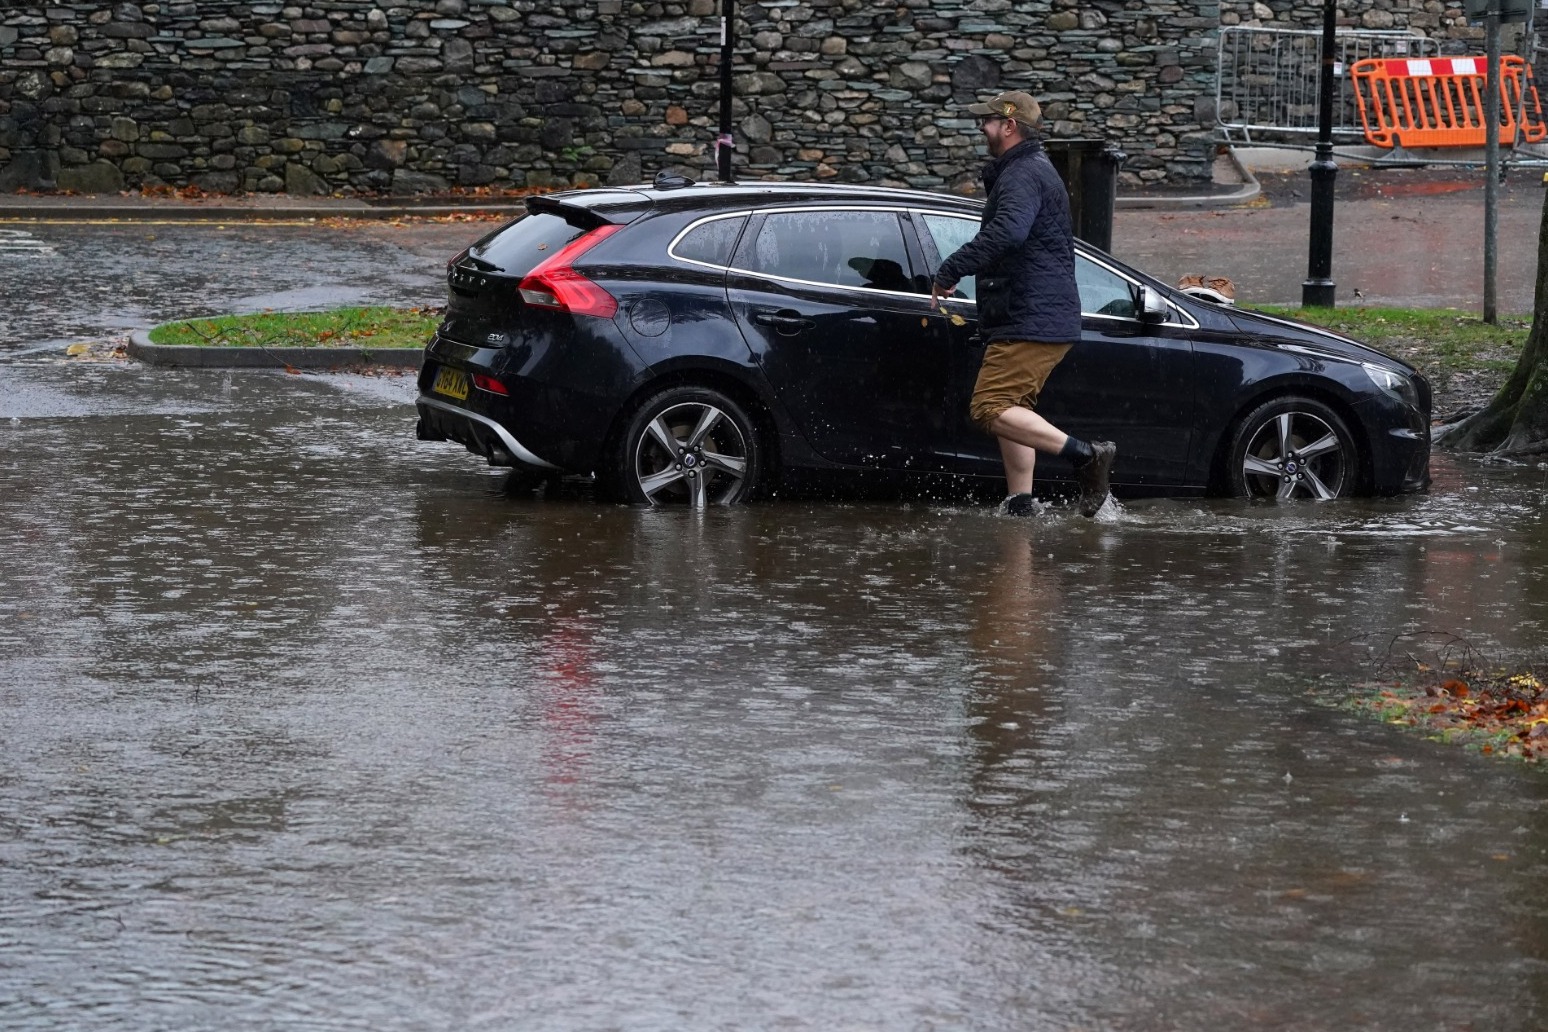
(957, 320)
(77, 349)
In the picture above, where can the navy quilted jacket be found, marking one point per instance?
(1024, 253)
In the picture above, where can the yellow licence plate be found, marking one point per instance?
(452, 383)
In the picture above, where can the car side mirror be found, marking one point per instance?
(1152, 305)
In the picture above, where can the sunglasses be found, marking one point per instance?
(987, 119)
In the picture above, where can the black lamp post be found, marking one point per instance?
(724, 147)
(1317, 290)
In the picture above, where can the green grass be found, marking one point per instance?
(340, 328)
(1436, 340)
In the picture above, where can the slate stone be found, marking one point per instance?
(29, 170)
(386, 154)
(301, 181)
(97, 177)
(976, 74)
(406, 181)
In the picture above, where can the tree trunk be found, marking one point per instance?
(1515, 422)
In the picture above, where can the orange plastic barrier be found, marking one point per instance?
(1439, 101)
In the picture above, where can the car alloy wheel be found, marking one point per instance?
(689, 446)
(1293, 447)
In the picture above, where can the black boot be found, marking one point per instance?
(1020, 505)
(1093, 477)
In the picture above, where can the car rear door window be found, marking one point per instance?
(843, 248)
(710, 242)
(516, 248)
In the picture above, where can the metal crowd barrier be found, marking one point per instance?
(1267, 79)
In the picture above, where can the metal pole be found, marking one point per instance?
(724, 146)
(1317, 290)
(1491, 159)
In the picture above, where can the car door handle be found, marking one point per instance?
(976, 340)
(784, 321)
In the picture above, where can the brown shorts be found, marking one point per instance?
(1012, 373)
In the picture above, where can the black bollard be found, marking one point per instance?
(1317, 290)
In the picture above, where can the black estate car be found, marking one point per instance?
(697, 343)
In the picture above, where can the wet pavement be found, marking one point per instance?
(308, 724)
(1400, 237)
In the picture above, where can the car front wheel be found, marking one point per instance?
(1293, 447)
(691, 446)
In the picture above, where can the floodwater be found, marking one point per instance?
(68, 281)
(307, 724)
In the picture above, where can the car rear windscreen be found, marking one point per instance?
(516, 249)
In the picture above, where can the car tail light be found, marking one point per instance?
(490, 384)
(556, 284)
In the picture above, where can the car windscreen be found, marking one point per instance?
(516, 248)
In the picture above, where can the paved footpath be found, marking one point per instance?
(1401, 236)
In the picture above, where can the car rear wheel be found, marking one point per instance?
(1293, 447)
(692, 446)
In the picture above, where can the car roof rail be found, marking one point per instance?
(666, 179)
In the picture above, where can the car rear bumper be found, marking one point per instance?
(442, 421)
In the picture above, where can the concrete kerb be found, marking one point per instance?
(193, 356)
(1249, 189)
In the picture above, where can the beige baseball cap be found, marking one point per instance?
(1011, 104)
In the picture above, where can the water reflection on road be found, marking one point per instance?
(309, 723)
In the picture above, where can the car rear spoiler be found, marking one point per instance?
(602, 207)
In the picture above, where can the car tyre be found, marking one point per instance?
(692, 446)
(1293, 447)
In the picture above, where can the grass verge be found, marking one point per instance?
(379, 327)
(1438, 685)
(1498, 713)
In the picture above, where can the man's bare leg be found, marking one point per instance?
(1028, 429)
(1019, 461)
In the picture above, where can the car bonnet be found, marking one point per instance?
(1280, 332)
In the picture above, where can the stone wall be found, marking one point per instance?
(421, 95)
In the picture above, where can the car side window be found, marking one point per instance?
(844, 248)
(710, 242)
(1102, 291)
(948, 232)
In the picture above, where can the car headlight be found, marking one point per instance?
(1394, 383)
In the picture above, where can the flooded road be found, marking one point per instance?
(71, 281)
(308, 724)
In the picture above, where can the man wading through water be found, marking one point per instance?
(1028, 305)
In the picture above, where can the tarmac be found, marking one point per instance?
(1402, 236)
